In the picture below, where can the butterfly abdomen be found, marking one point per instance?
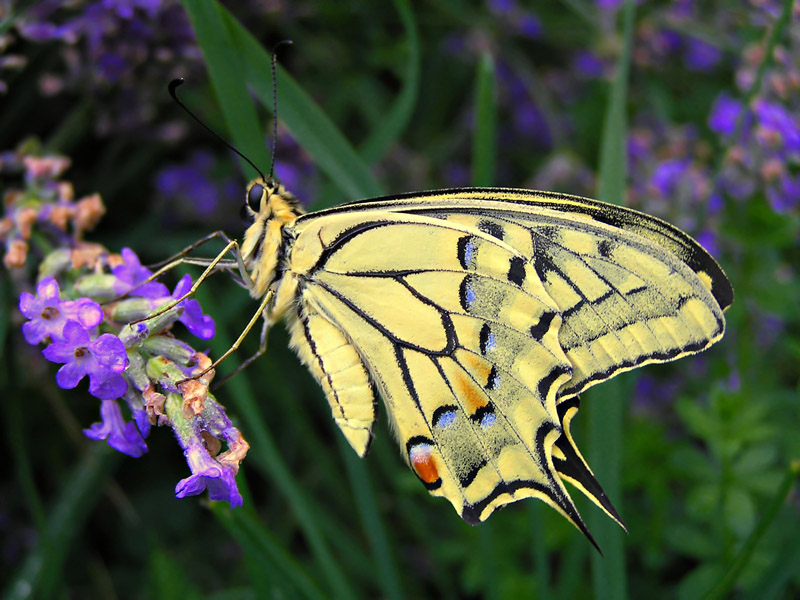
(336, 365)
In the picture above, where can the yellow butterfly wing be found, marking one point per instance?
(479, 315)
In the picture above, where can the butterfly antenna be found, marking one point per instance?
(173, 86)
(275, 100)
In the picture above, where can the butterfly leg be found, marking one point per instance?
(231, 246)
(192, 247)
(261, 350)
(235, 346)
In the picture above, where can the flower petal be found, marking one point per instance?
(110, 353)
(48, 290)
(123, 437)
(28, 305)
(110, 387)
(86, 311)
(69, 375)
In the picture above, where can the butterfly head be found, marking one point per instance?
(268, 208)
(268, 199)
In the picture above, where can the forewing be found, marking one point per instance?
(631, 289)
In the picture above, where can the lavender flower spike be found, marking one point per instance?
(103, 360)
(121, 436)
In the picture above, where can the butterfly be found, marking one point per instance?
(478, 316)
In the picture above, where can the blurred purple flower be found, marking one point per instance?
(196, 322)
(682, 9)
(708, 240)
(48, 314)
(112, 66)
(724, 114)
(456, 174)
(700, 55)
(786, 195)
(103, 360)
(771, 328)
(589, 64)
(45, 32)
(190, 183)
(530, 122)
(714, 204)
(502, 7)
(775, 120)
(122, 436)
(667, 175)
(609, 5)
(208, 473)
(650, 395)
(529, 25)
(131, 273)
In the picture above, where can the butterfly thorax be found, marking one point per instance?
(271, 211)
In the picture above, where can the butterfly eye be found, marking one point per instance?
(246, 216)
(254, 197)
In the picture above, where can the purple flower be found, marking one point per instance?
(196, 322)
(208, 473)
(700, 55)
(103, 360)
(776, 120)
(708, 240)
(121, 436)
(786, 195)
(529, 25)
(667, 176)
(501, 7)
(609, 4)
(45, 32)
(589, 65)
(112, 66)
(190, 184)
(131, 273)
(48, 314)
(724, 114)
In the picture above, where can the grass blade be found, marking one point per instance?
(374, 528)
(484, 146)
(606, 404)
(261, 544)
(41, 574)
(309, 125)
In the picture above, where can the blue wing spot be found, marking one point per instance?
(444, 416)
(486, 339)
(467, 251)
(485, 416)
(466, 294)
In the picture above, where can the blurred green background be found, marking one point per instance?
(694, 118)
